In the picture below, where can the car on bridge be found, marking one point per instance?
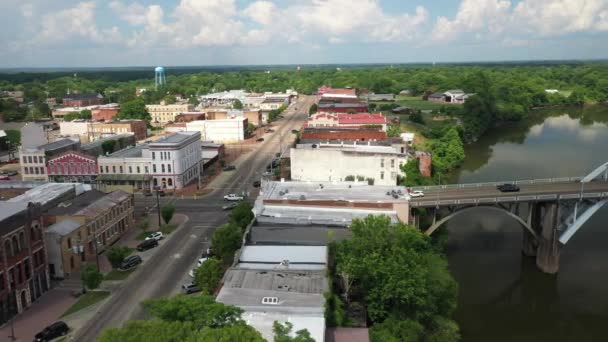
(416, 193)
(233, 197)
(507, 187)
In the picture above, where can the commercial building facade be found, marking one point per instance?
(33, 160)
(103, 129)
(82, 100)
(355, 121)
(23, 270)
(219, 131)
(163, 114)
(71, 167)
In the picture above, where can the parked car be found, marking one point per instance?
(4, 178)
(233, 197)
(257, 184)
(10, 173)
(259, 139)
(192, 273)
(190, 288)
(208, 253)
(230, 206)
(269, 130)
(507, 188)
(229, 168)
(52, 331)
(416, 193)
(147, 244)
(156, 236)
(130, 262)
(201, 261)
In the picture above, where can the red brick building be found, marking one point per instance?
(72, 166)
(105, 113)
(343, 134)
(23, 267)
(82, 100)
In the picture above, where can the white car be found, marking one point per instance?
(191, 273)
(416, 193)
(233, 197)
(200, 262)
(155, 236)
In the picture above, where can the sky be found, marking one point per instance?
(109, 33)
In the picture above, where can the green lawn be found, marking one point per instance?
(86, 300)
(416, 102)
(168, 228)
(142, 235)
(118, 274)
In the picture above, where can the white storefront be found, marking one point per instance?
(219, 131)
(334, 163)
(176, 160)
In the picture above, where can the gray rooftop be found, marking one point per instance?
(303, 215)
(359, 148)
(271, 257)
(59, 144)
(129, 152)
(339, 191)
(99, 142)
(50, 194)
(300, 291)
(285, 234)
(64, 227)
(175, 138)
(8, 209)
(77, 203)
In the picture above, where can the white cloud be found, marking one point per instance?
(134, 14)
(262, 12)
(498, 19)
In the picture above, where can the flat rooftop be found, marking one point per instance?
(286, 234)
(339, 191)
(129, 152)
(176, 138)
(64, 227)
(46, 193)
(359, 148)
(58, 144)
(299, 215)
(74, 205)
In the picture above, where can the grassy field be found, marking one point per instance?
(416, 102)
(118, 274)
(86, 300)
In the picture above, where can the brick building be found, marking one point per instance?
(23, 270)
(342, 134)
(82, 100)
(72, 166)
(105, 112)
(102, 129)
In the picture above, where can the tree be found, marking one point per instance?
(398, 271)
(226, 240)
(117, 254)
(108, 146)
(13, 137)
(313, 109)
(152, 330)
(250, 129)
(237, 104)
(167, 212)
(169, 99)
(143, 225)
(282, 333)
(416, 117)
(91, 277)
(134, 109)
(193, 101)
(393, 130)
(231, 333)
(208, 276)
(242, 214)
(447, 151)
(201, 310)
(395, 330)
(443, 330)
(412, 174)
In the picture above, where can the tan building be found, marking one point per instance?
(84, 227)
(162, 114)
(103, 129)
(253, 116)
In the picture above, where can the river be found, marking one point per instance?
(503, 297)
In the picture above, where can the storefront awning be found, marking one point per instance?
(123, 177)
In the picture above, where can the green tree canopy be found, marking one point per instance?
(447, 151)
(134, 109)
(167, 212)
(226, 240)
(237, 104)
(208, 276)
(282, 333)
(232, 333)
(242, 214)
(152, 331)
(117, 254)
(202, 310)
(92, 277)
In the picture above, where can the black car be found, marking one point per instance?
(229, 168)
(52, 331)
(269, 130)
(257, 184)
(147, 244)
(259, 139)
(507, 188)
(131, 261)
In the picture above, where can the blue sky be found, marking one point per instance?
(89, 33)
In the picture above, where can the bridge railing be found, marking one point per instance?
(510, 199)
(519, 182)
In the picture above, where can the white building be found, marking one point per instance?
(171, 163)
(78, 128)
(219, 131)
(162, 114)
(335, 162)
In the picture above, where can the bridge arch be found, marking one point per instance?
(460, 211)
(602, 169)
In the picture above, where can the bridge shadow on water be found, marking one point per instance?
(504, 297)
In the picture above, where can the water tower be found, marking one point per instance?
(159, 77)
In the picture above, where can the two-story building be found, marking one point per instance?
(72, 167)
(162, 114)
(127, 169)
(33, 160)
(82, 100)
(23, 268)
(84, 227)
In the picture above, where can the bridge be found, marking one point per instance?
(550, 211)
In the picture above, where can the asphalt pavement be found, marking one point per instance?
(164, 273)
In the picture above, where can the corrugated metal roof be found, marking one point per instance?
(276, 254)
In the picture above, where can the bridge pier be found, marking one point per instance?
(545, 223)
(529, 244)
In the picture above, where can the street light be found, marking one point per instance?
(158, 204)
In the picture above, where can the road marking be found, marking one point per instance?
(177, 256)
(193, 236)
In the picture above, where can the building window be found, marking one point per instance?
(113, 168)
(29, 159)
(381, 162)
(107, 169)
(69, 243)
(146, 169)
(130, 169)
(392, 162)
(154, 168)
(120, 168)
(24, 159)
(36, 170)
(393, 175)
(153, 155)
(138, 170)
(168, 167)
(35, 160)
(101, 169)
(162, 167)
(25, 169)
(270, 300)
(169, 182)
(382, 175)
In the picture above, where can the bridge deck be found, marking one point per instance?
(528, 192)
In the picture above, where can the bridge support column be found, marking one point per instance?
(547, 256)
(529, 244)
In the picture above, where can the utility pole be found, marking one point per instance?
(158, 205)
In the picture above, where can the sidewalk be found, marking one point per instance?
(41, 313)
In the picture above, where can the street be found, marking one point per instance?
(163, 274)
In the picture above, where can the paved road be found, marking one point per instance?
(563, 188)
(163, 273)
